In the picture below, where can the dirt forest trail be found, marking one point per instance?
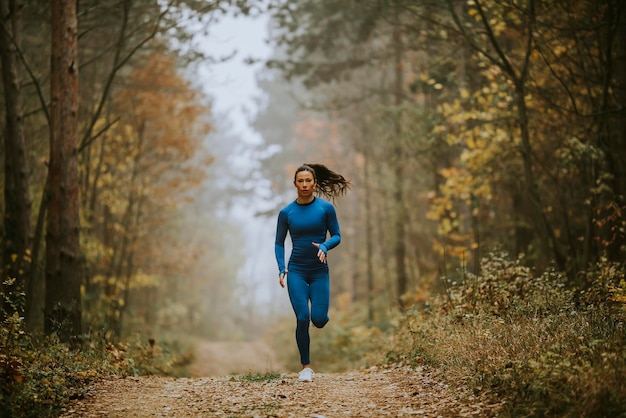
(220, 358)
(214, 391)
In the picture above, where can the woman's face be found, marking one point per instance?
(305, 183)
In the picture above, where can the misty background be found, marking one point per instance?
(237, 185)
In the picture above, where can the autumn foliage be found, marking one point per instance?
(145, 169)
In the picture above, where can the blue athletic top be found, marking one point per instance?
(306, 224)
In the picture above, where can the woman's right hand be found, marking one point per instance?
(281, 279)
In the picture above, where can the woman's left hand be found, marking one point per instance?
(320, 253)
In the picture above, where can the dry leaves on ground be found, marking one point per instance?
(394, 392)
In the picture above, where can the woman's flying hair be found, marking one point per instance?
(328, 183)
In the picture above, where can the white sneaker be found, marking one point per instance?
(306, 375)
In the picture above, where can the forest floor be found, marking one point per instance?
(223, 386)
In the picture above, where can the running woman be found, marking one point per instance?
(309, 220)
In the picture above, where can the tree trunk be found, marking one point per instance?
(539, 218)
(63, 297)
(369, 252)
(17, 211)
(400, 215)
(613, 127)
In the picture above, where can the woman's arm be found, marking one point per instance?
(333, 228)
(279, 243)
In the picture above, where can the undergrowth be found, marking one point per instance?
(531, 343)
(38, 378)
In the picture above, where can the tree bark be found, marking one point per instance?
(369, 252)
(63, 297)
(17, 211)
(613, 111)
(400, 215)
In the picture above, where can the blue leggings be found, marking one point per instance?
(305, 287)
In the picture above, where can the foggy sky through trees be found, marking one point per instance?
(237, 99)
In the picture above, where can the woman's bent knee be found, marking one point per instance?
(319, 322)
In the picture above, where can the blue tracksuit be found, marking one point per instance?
(308, 278)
